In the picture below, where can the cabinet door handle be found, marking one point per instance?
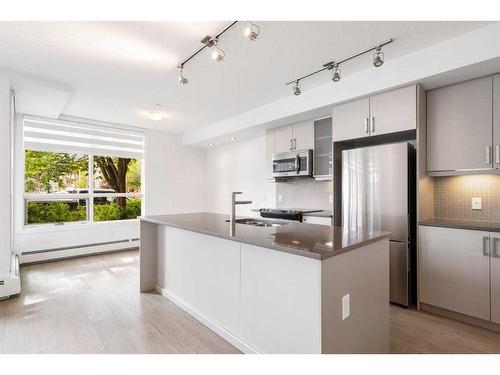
(494, 252)
(294, 144)
(291, 144)
(487, 154)
(367, 129)
(372, 129)
(497, 154)
(486, 246)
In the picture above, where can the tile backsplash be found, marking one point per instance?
(453, 197)
(304, 193)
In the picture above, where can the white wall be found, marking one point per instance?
(175, 175)
(5, 157)
(239, 166)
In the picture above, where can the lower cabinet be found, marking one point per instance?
(458, 268)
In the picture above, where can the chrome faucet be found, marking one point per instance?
(234, 202)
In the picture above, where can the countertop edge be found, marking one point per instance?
(285, 249)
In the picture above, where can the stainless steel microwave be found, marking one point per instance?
(293, 164)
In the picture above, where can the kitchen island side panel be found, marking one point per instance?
(363, 274)
(148, 256)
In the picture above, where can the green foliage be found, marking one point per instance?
(111, 211)
(45, 169)
(54, 212)
(134, 176)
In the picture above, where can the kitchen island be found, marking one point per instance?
(290, 288)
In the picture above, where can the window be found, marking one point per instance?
(80, 173)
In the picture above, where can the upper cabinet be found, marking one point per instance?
(460, 127)
(294, 137)
(270, 150)
(323, 148)
(385, 113)
(496, 120)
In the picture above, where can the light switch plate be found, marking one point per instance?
(346, 308)
(280, 197)
(476, 203)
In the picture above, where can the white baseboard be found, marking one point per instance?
(44, 256)
(11, 285)
(201, 317)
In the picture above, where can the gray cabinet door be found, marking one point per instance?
(283, 139)
(455, 270)
(495, 277)
(459, 126)
(323, 147)
(350, 120)
(393, 111)
(496, 120)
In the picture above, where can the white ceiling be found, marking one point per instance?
(120, 70)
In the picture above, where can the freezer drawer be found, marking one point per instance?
(399, 272)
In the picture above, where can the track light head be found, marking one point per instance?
(182, 80)
(336, 73)
(378, 57)
(252, 31)
(217, 53)
(296, 88)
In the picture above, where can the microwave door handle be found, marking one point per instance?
(297, 164)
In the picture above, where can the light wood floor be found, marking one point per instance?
(92, 305)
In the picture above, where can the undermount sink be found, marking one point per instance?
(258, 223)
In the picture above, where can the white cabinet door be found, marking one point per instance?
(283, 140)
(303, 136)
(496, 120)
(269, 153)
(350, 120)
(495, 277)
(393, 111)
(459, 126)
(454, 270)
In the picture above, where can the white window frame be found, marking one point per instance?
(25, 197)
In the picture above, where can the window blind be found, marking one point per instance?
(75, 137)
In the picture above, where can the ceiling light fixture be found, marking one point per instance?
(210, 144)
(296, 88)
(157, 114)
(182, 80)
(232, 139)
(378, 57)
(217, 53)
(378, 60)
(252, 31)
(336, 73)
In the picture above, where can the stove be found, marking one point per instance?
(285, 214)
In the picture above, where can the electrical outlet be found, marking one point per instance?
(476, 203)
(346, 308)
(280, 197)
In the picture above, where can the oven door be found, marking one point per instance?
(292, 164)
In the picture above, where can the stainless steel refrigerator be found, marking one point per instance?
(378, 193)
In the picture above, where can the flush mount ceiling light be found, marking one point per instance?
(378, 57)
(157, 114)
(182, 80)
(296, 88)
(252, 31)
(232, 139)
(378, 60)
(217, 53)
(210, 144)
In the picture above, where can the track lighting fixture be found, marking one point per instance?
(252, 31)
(217, 53)
(182, 80)
(336, 73)
(378, 57)
(378, 60)
(296, 88)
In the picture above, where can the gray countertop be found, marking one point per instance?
(492, 226)
(309, 240)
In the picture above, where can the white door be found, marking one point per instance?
(283, 141)
(393, 111)
(350, 120)
(303, 136)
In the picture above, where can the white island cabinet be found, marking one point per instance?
(266, 300)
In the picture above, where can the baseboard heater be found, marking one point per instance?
(52, 254)
(11, 285)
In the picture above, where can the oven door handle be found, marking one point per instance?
(297, 163)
